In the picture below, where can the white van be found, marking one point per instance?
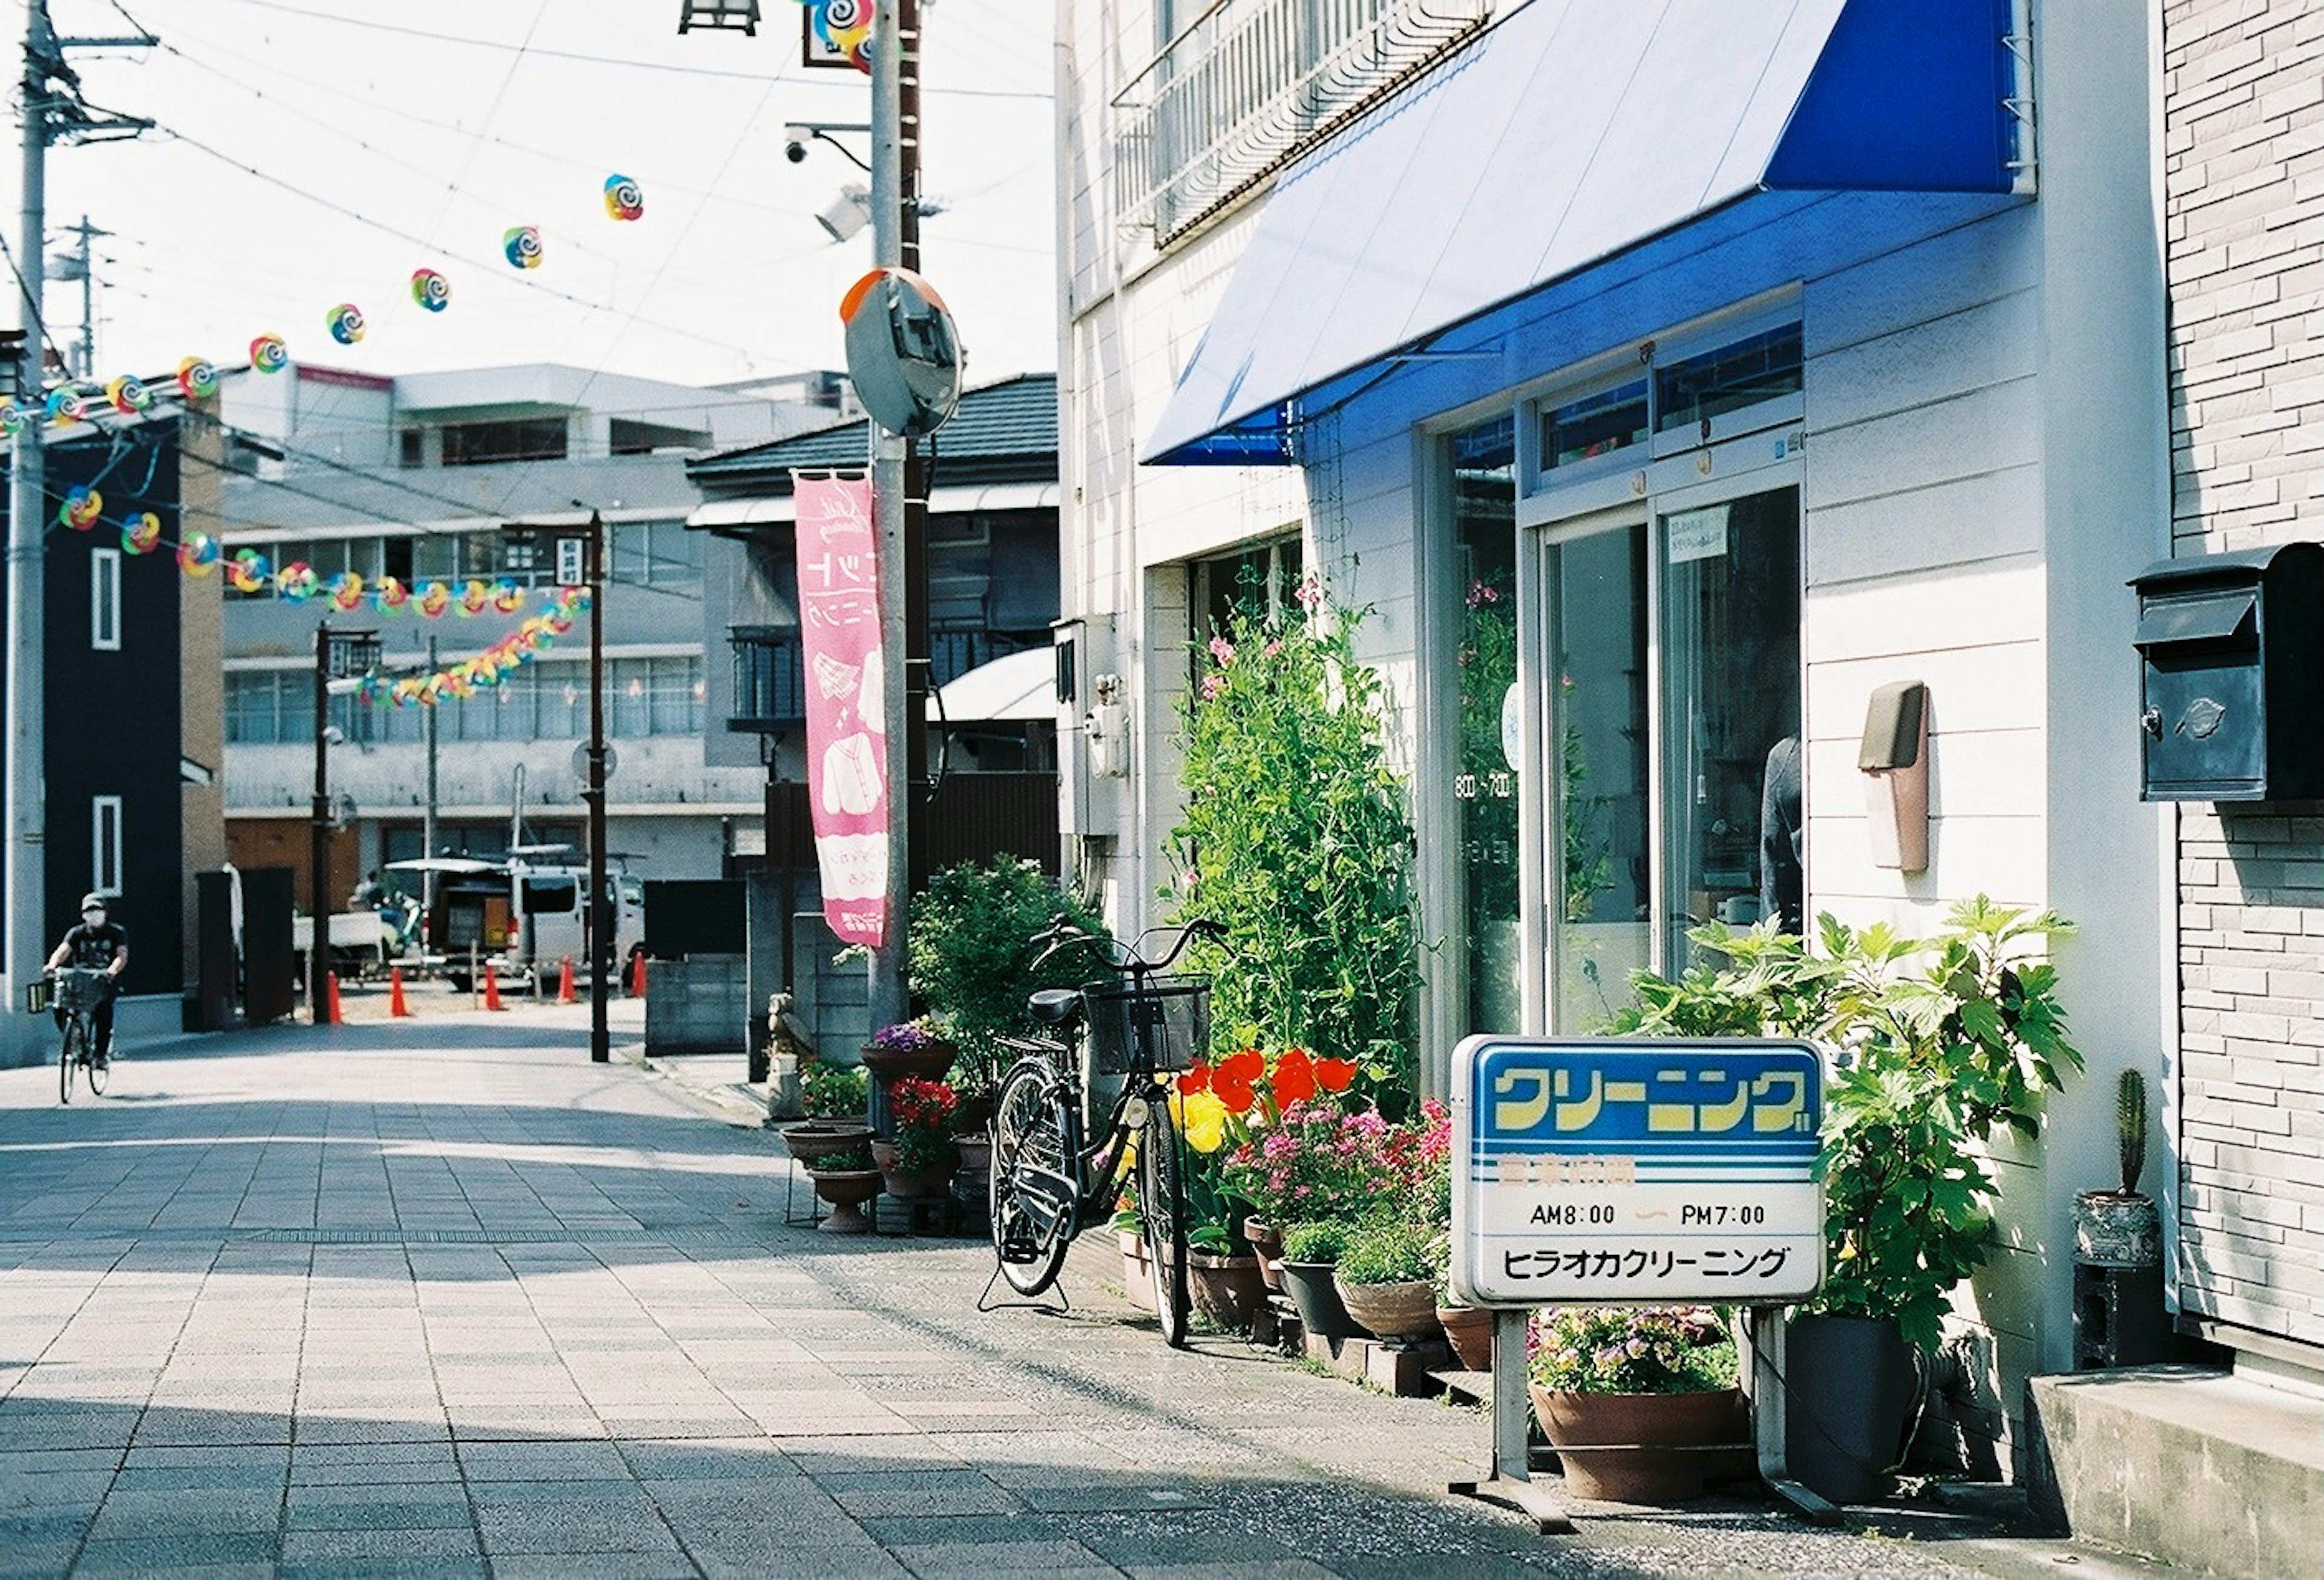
(522, 916)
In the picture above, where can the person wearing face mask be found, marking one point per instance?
(98, 945)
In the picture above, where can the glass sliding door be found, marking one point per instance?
(1599, 879)
(1730, 665)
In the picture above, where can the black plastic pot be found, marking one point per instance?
(1852, 1383)
(1321, 1312)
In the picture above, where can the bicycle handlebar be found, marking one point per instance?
(1117, 956)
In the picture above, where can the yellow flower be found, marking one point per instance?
(1204, 1119)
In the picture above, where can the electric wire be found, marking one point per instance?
(452, 187)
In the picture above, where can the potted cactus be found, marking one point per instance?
(2121, 1227)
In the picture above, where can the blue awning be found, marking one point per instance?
(1573, 132)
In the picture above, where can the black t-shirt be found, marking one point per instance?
(95, 948)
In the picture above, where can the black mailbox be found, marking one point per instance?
(2232, 648)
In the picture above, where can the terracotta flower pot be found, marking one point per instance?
(1401, 1312)
(1469, 1330)
(928, 1064)
(1267, 1245)
(1635, 1447)
(813, 1140)
(1227, 1290)
(846, 1191)
(914, 1184)
(1316, 1293)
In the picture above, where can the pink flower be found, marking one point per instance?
(1212, 684)
(1310, 594)
(1223, 650)
(1272, 648)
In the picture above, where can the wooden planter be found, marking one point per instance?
(1403, 1311)
(1636, 1447)
(1136, 1270)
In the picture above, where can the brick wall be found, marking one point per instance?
(2244, 195)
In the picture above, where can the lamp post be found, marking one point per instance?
(589, 540)
(339, 654)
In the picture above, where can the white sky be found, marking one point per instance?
(440, 145)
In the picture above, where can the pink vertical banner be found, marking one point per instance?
(846, 692)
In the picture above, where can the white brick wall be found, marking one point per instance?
(2244, 196)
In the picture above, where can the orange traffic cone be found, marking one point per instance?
(565, 981)
(492, 990)
(331, 1015)
(637, 976)
(396, 1008)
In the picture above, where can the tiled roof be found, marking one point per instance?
(1010, 427)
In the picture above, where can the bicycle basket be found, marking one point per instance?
(1164, 1025)
(78, 989)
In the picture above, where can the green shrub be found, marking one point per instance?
(854, 1160)
(1296, 841)
(1389, 1250)
(833, 1091)
(1322, 1241)
(970, 955)
(1627, 1349)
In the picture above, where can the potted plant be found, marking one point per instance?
(1468, 1329)
(1310, 1252)
(1223, 1278)
(1386, 1278)
(846, 1181)
(919, 1157)
(909, 1048)
(832, 1097)
(2121, 1227)
(1631, 1397)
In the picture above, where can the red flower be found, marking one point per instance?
(1230, 1081)
(1293, 1080)
(1336, 1075)
(1195, 1078)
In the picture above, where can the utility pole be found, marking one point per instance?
(898, 495)
(601, 914)
(85, 270)
(53, 112)
(319, 839)
(428, 814)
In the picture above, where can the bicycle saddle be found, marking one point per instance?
(1055, 1006)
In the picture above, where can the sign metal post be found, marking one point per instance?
(1606, 1171)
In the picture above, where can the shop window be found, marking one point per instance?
(1693, 392)
(526, 439)
(1594, 425)
(1482, 924)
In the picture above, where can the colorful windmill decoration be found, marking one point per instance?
(80, 509)
(345, 323)
(198, 556)
(624, 199)
(431, 289)
(13, 420)
(141, 536)
(196, 379)
(521, 245)
(128, 395)
(65, 405)
(269, 354)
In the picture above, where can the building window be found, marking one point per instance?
(1757, 368)
(482, 444)
(1482, 926)
(1594, 425)
(105, 599)
(628, 436)
(414, 446)
(104, 844)
(652, 553)
(1258, 581)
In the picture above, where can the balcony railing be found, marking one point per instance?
(769, 680)
(1253, 82)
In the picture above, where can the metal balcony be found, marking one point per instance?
(769, 680)
(1252, 83)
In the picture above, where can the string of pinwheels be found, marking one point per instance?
(248, 571)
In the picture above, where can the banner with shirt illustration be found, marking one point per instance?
(838, 552)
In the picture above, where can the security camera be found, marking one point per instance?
(795, 138)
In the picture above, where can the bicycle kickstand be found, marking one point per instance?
(985, 1302)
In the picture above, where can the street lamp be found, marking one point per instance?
(340, 655)
(569, 543)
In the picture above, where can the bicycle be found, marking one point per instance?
(77, 992)
(1047, 1184)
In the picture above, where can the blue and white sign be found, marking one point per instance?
(1650, 1170)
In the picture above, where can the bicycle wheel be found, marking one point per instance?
(1162, 1212)
(67, 1055)
(99, 1074)
(1027, 1135)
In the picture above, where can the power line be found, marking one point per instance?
(452, 187)
(634, 64)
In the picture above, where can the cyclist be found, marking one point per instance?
(98, 945)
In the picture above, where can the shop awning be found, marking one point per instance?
(968, 498)
(1014, 688)
(1571, 133)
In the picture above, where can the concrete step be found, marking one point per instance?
(2191, 1466)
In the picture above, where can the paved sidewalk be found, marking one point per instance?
(442, 1299)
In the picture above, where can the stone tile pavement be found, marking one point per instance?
(440, 1299)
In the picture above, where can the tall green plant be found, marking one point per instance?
(970, 954)
(1296, 841)
(1942, 1043)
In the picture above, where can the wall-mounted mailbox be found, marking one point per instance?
(2231, 650)
(1893, 760)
